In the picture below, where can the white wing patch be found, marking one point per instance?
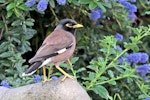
(49, 59)
(45, 62)
(61, 51)
(64, 49)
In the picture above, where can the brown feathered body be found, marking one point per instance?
(57, 47)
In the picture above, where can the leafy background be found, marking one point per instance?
(95, 65)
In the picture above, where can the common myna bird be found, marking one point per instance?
(56, 48)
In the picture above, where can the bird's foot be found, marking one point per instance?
(46, 80)
(67, 76)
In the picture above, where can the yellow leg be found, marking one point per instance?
(66, 74)
(44, 73)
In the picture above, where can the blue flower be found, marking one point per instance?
(54, 77)
(131, 8)
(144, 58)
(37, 78)
(120, 60)
(30, 3)
(133, 58)
(132, 16)
(143, 70)
(133, 0)
(5, 84)
(118, 48)
(96, 14)
(61, 2)
(42, 5)
(139, 57)
(147, 99)
(119, 37)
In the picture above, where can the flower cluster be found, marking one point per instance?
(136, 58)
(131, 8)
(147, 99)
(30, 3)
(54, 77)
(119, 37)
(5, 84)
(37, 78)
(120, 60)
(96, 14)
(118, 48)
(139, 58)
(143, 70)
(61, 2)
(41, 6)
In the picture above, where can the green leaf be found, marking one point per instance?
(132, 46)
(74, 59)
(5, 63)
(92, 5)
(103, 78)
(110, 73)
(84, 1)
(9, 13)
(10, 71)
(91, 75)
(24, 27)
(107, 5)
(10, 6)
(94, 68)
(147, 12)
(69, 1)
(23, 7)
(3, 46)
(16, 23)
(81, 69)
(101, 6)
(29, 33)
(76, 2)
(142, 97)
(18, 66)
(52, 3)
(6, 54)
(112, 82)
(3, 1)
(17, 12)
(16, 40)
(30, 19)
(101, 91)
(29, 23)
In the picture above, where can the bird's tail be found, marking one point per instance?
(32, 69)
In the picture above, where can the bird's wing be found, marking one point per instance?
(57, 40)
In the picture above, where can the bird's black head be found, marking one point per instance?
(68, 25)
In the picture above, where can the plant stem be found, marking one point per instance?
(109, 65)
(53, 12)
(117, 78)
(71, 67)
(92, 83)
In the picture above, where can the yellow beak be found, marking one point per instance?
(78, 26)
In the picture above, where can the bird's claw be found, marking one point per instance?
(69, 76)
